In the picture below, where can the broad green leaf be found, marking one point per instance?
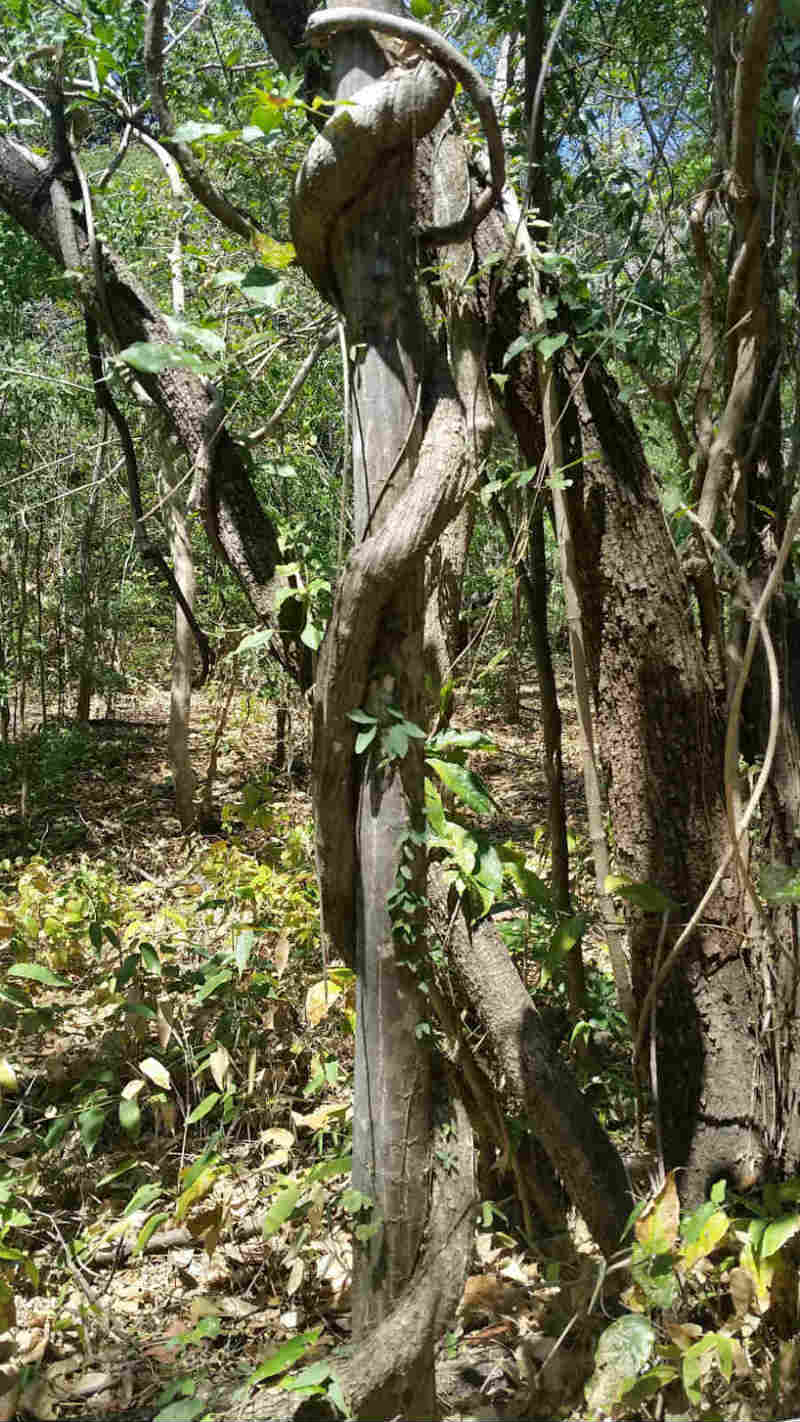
(209, 341)
(362, 718)
(154, 1071)
(522, 343)
(777, 1233)
(634, 1391)
(779, 884)
(152, 357)
(253, 641)
(130, 1117)
(143, 1197)
(311, 636)
(205, 1106)
(38, 973)
(464, 783)
(243, 947)
(630, 1339)
(711, 1233)
(365, 738)
(395, 742)
(420, 9)
(191, 131)
(490, 872)
(90, 1125)
(212, 983)
(285, 1356)
(548, 345)
(645, 896)
(569, 933)
(184, 1409)
(263, 287)
(150, 958)
(281, 1209)
(692, 1367)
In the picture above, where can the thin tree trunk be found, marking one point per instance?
(88, 620)
(392, 1124)
(180, 704)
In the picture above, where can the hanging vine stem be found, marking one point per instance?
(757, 628)
(325, 23)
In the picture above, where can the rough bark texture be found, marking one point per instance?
(578, 1147)
(661, 740)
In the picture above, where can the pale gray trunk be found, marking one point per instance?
(374, 265)
(180, 705)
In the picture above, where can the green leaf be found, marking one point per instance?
(569, 933)
(311, 636)
(779, 884)
(253, 641)
(143, 1197)
(445, 741)
(209, 341)
(281, 1209)
(285, 1356)
(777, 1233)
(152, 357)
(634, 1391)
(522, 343)
(645, 896)
(184, 1409)
(212, 983)
(464, 783)
(365, 738)
(191, 131)
(150, 958)
(395, 742)
(38, 973)
(362, 718)
(630, 1340)
(205, 1106)
(420, 9)
(548, 345)
(243, 947)
(691, 1366)
(148, 1229)
(490, 872)
(263, 287)
(90, 1125)
(130, 1117)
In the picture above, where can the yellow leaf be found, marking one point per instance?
(276, 254)
(198, 1190)
(319, 999)
(8, 1077)
(220, 1064)
(165, 1023)
(658, 1229)
(279, 1136)
(132, 1088)
(156, 1072)
(320, 1118)
(714, 1229)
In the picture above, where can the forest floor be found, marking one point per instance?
(173, 1066)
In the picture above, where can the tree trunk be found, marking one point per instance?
(180, 703)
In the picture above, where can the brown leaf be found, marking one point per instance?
(662, 1220)
(742, 1290)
